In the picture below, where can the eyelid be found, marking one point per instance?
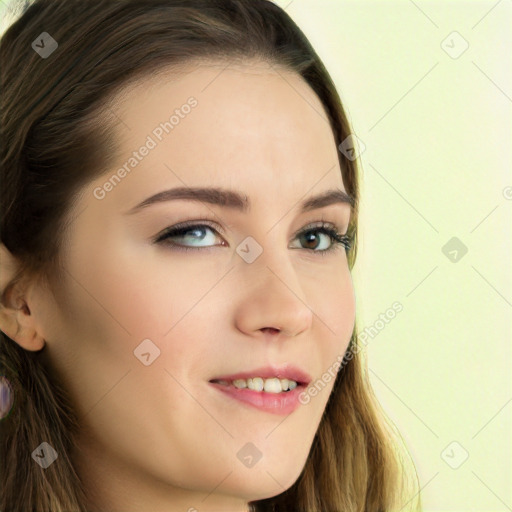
(214, 225)
(320, 223)
(194, 222)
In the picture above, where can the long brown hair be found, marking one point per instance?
(56, 139)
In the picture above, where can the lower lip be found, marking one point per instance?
(276, 403)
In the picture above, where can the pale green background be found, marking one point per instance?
(437, 132)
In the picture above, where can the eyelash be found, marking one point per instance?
(338, 240)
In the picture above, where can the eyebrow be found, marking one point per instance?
(235, 200)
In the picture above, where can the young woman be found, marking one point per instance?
(178, 227)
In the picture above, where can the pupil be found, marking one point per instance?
(310, 238)
(198, 233)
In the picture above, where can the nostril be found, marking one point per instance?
(272, 330)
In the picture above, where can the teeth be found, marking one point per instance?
(256, 384)
(273, 385)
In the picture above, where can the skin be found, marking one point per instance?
(158, 437)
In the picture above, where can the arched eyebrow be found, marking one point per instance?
(236, 200)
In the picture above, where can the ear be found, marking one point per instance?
(16, 320)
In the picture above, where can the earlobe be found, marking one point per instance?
(16, 320)
(18, 325)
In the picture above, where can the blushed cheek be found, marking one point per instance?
(338, 313)
(174, 311)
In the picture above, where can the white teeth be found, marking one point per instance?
(255, 384)
(273, 385)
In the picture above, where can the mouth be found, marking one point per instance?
(272, 385)
(274, 390)
(274, 380)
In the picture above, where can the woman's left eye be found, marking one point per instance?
(309, 236)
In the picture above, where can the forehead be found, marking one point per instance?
(248, 103)
(252, 124)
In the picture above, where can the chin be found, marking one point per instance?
(267, 484)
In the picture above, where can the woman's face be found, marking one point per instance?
(138, 329)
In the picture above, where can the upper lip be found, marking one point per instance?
(281, 372)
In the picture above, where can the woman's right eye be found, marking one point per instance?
(182, 232)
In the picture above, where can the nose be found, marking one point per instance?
(272, 303)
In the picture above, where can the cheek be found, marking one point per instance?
(175, 306)
(334, 305)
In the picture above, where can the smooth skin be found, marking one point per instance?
(160, 437)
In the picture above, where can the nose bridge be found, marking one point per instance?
(266, 256)
(273, 296)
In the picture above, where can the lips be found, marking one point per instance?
(267, 372)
